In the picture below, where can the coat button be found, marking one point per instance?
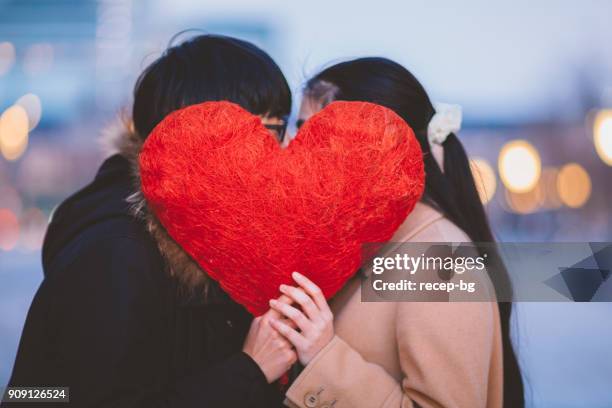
(311, 400)
(229, 323)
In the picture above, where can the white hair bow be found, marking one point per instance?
(445, 121)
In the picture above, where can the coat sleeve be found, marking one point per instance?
(444, 352)
(98, 327)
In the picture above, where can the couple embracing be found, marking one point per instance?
(126, 317)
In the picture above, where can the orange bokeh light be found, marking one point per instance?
(9, 229)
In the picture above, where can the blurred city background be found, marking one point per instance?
(534, 79)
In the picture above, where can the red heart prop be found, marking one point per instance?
(250, 212)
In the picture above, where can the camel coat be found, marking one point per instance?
(407, 354)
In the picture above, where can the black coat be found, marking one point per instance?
(109, 322)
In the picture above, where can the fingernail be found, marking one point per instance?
(272, 301)
(296, 275)
(282, 288)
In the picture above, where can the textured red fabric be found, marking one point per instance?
(250, 212)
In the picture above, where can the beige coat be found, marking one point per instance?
(410, 354)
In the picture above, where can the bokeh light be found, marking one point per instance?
(33, 107)
(14, 127)
(484, 178)
(7, 57)
(9, 229)
(602, 135)
(519, 166)
(525, 202)
(574, 185)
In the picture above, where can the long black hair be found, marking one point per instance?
(209, 68)
(451, 190)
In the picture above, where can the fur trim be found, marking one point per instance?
(122, 139)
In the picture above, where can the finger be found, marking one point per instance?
(288, 322)
(293, 314)
(313, 290)
(285, 299)
(255, 325)
(302, 299)
(290, 334)
(292, 357)
(271, 313)
(279, 341)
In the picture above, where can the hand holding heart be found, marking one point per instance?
(250, 213)
(309, 326)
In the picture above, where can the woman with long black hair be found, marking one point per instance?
(413, 354)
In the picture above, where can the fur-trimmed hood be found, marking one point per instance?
(122, 139)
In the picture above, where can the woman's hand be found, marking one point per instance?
(314, 320)
(271, 351)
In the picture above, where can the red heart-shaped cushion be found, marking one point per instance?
(250, 212)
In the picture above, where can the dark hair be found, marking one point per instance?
(209, 68)
(451, 190)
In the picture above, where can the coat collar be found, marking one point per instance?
(126, 142)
